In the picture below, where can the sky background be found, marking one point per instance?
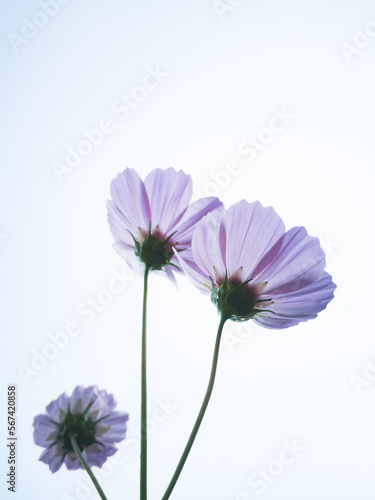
(206, 80)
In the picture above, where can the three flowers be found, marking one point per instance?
(242, 256)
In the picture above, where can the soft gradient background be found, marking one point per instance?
(223, 78)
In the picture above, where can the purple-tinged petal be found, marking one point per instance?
(102, 406)
(193, 215)
(71, 462)
(130, 198)
(96, 455)
(45, 431)
(306, 301)
(275, 322)
(169, 193)
(119, 225)
(208, 246)
(303, 304)
(169, 272)
(82, 397)
(50, 458)
(127, 253)
(107, 399)
(113, 428)
(297, 262)
(251, 230)
(57, 409)
(195, 275)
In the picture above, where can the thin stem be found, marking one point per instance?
(87, 468)
(143, 457)
(201, 413)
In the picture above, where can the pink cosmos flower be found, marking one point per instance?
(255, 270)
(148, 218)
(90, 416)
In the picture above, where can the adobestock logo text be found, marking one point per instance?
(121, 107)
(32, 26)
(87, 309)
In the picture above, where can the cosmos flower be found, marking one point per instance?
(89, 415)
(148, 218)
(253, 269)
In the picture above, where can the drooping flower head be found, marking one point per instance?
(149, 218)
(255, 270)
(89, 415)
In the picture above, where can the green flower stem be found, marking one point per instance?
(202, 411)
(87, 468)
(143, 479)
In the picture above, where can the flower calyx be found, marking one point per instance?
(238, 302)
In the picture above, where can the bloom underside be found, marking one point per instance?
(148, 218)
(90, 418)
(255, 270)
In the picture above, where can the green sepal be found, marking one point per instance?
(154, 252)
(80, 427)
(235, 302)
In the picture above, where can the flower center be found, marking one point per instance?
(238, 300)
(154, 249)
(80, 427)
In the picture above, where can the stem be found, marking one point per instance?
(87, 468)
(201, 413)
(143, 457)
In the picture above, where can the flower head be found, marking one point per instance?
(149, 218)
(89, 415)
(255, 270)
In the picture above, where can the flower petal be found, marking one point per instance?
(119, 225)
(306, 301)
(169, 272)
(195, 212)
(96, 455)
(50, 458)
(115, 425)
(195, 275)
(127, 252)
(81, 397)
(103, 405)
(297, 260)
(130, 198)
(45, 431)
(57, 409)
(169, 193)
(71, 462)
(208, 246)
(275, 322)
(250, 231)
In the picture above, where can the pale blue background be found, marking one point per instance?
(226, 76)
